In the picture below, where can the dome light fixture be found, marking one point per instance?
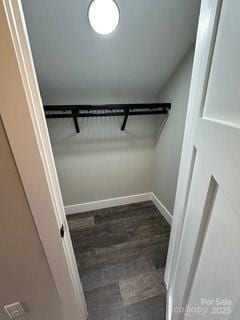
(103, 16)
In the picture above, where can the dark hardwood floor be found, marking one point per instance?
(121, 254)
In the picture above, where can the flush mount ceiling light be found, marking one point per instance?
(103, 16)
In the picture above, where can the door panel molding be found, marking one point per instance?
(203, 259)
(207, 210)
(205, 43)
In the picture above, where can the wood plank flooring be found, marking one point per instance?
(121, 255)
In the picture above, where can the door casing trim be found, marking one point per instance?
(28, 137)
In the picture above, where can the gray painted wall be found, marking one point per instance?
(169, 144)
(103, 162)
(24, 271)
(103, 172)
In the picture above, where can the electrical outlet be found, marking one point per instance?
(14, 310)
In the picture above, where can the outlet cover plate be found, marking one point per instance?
(14, 310)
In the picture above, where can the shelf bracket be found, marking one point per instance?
(75, 120)
(126, 112)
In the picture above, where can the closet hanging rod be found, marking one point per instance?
(108, 106)
(104, 114)
(110, 110)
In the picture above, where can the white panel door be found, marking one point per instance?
(204, 281)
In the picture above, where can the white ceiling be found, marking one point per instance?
(73, 62)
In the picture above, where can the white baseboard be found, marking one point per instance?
(107, 203)
(114, 202)
(163, 210)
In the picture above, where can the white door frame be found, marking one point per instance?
(22, 113)
(205, 43)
